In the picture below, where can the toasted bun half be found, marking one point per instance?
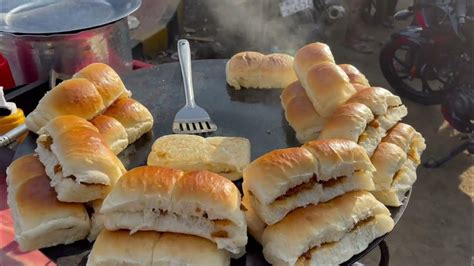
(113, 132)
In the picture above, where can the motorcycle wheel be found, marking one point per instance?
(388, 60)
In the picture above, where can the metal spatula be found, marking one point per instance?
(191, 119)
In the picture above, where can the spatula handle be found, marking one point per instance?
(184, 55)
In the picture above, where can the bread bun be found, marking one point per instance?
(226, 156)
(408, 139)
(106, 80)
(258, 71)
(300, 113)
(113, 132)
(310, 55)
(40, 219)
(321, 226)
(77, 159)
(71, 97)
(167, 200)
(134, 117)
(355, 77)
(327, 86)
(152, 248)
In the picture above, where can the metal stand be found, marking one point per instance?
(466, 145)
(384, 254)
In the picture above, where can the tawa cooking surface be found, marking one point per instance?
(253, 114)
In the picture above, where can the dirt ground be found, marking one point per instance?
(436, 228)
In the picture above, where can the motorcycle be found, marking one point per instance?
(433, 55)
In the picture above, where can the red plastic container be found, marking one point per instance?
(6, 77)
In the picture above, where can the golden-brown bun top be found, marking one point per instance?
(72, 97)
(249, 60)
(37, 202)
(311, 55)
(292, 91)
(209, 189)
(111, 129)
(401, 135)
(23, 169)
(355, 76)
(347, 122)
(82, 151)
(339, 157)
(388, 158)
(106, 80)
(376, 98)
(327, 86)
(150, 180)
(270, 176)
(129, 112)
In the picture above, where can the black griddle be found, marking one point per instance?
(253, 114)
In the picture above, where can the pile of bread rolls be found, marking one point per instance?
(309, 205)
(337, 102)
(75, 164)
(95, 93)
(163, 216)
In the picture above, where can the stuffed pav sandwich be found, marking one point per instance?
(328, 233)
(77, 159)
(201, 203)
(283, 180)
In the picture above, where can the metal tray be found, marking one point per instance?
(60, 16)
(253, 114)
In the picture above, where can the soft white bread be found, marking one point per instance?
(121, 248)
(388, 158)
(355, 76)
(283, 180)
(167, 200)
(320, 226)
(348, 121)
(153, 248)
(180, 249)
(226, 156)
(258, 71)
(407, 138)
(339, 157)
(327, 87)
(135, 118)
(106, 80)
(311, 55)
(112, 131)
(77, 159)
(97, 220)
(300, 113)
(71, 97)
(43, 221)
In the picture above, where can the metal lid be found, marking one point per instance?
(59, 16)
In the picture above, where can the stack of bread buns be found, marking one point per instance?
(163, 207)
(321, 87)
(226, 156)
(295, 195)
(95, 93)
(40, 219)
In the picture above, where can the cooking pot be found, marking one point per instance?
(64, 35)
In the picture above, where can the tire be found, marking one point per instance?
(386, 65)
